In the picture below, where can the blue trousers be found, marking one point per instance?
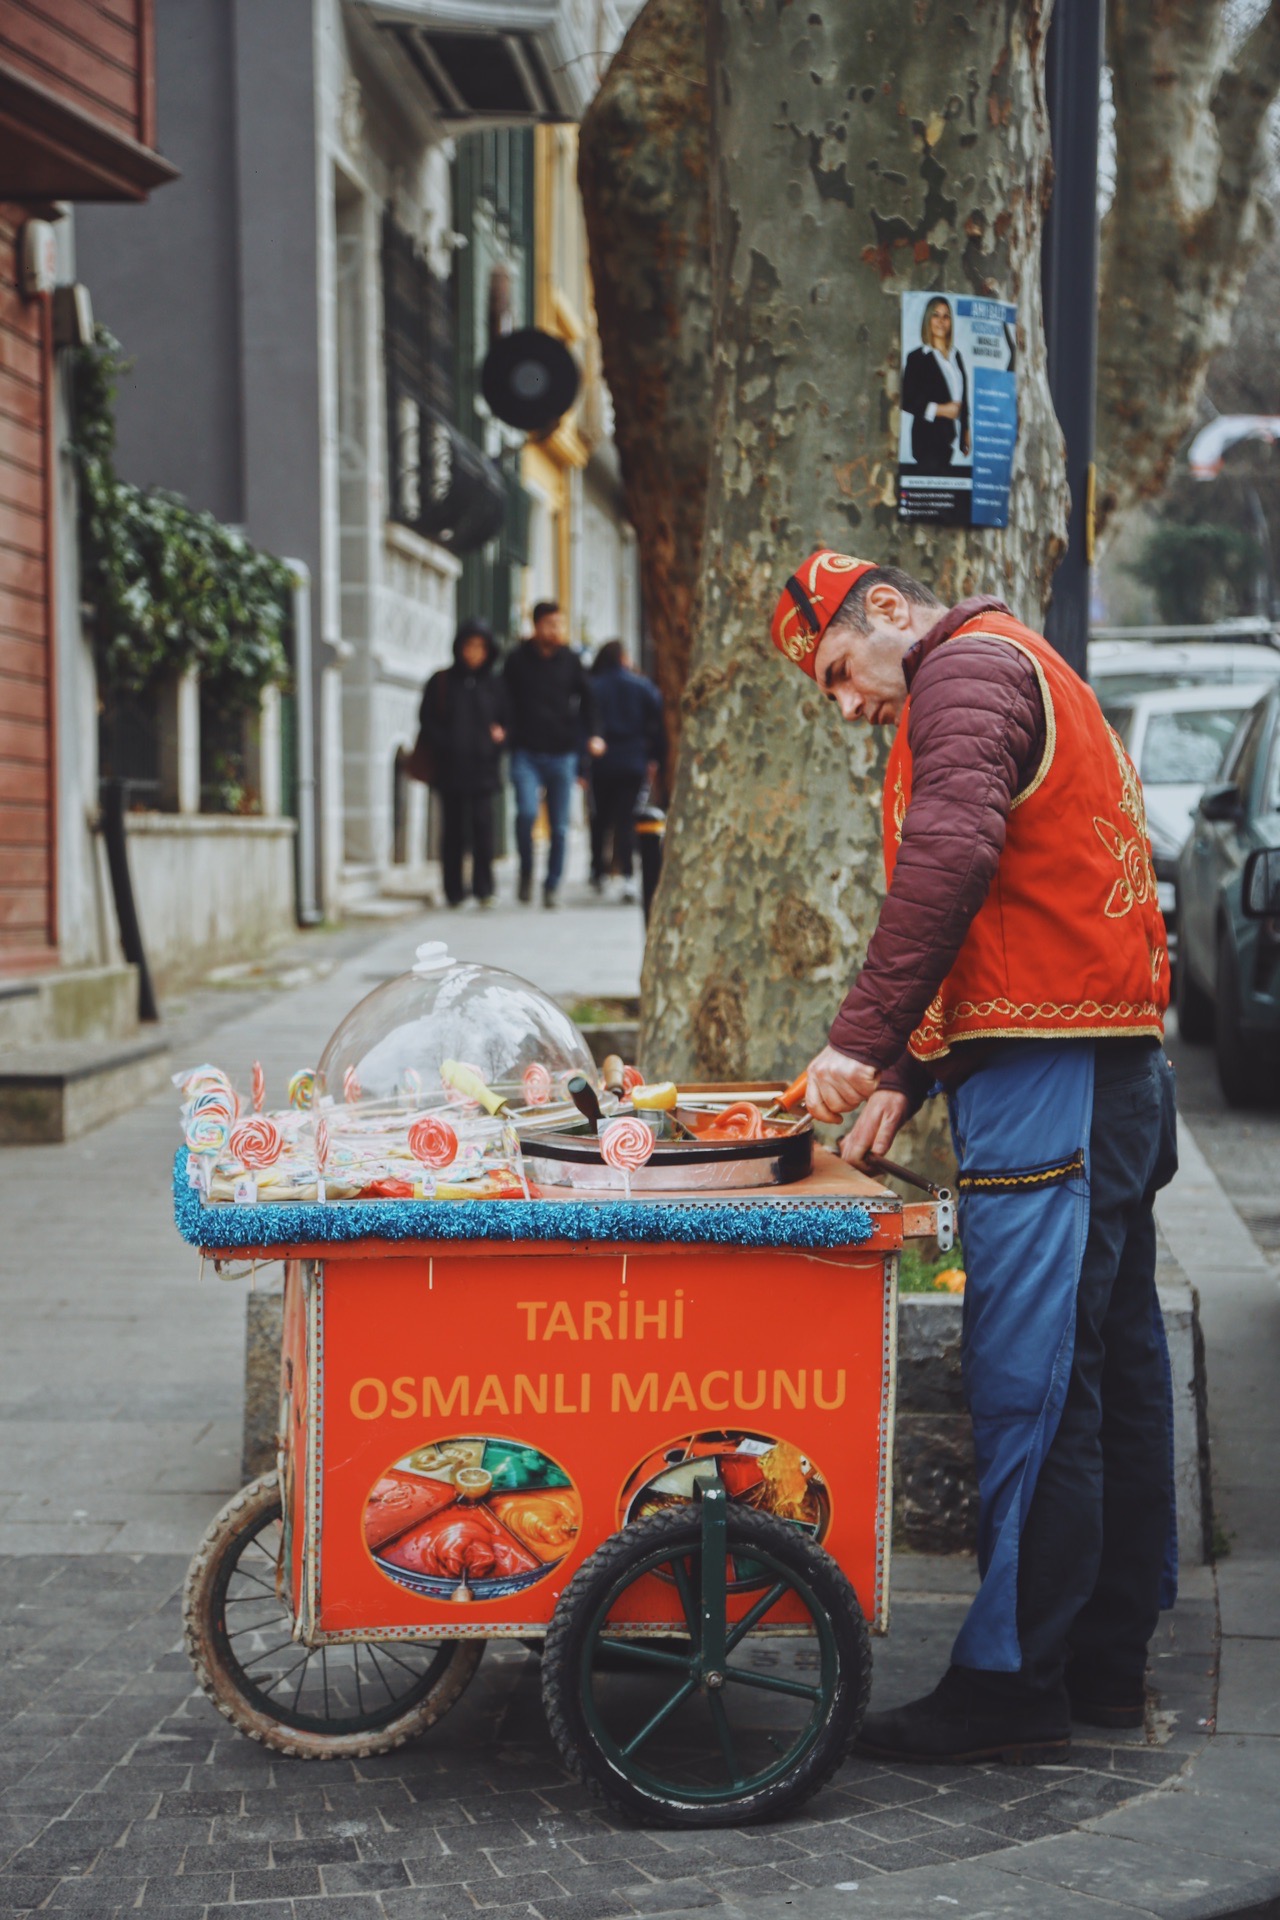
(533, 774)
(1097, 1561)
(1062, 1148)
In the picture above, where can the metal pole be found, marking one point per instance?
(1069, 271)
(308, 910)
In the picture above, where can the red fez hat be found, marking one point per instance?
(808, 603)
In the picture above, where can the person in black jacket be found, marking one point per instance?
(553, 713)
(629, 710)
(935, 392)
(464, 719)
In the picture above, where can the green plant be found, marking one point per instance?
(920, 1272)
(170, 587)
(1198, 573)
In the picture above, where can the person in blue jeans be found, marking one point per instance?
(552, 718)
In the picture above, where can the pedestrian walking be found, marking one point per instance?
(553, 721)
(629, 715)
(1020, 960)
(463, 723)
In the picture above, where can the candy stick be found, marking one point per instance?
(259, 1086)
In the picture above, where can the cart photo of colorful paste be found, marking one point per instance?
(642, 1427)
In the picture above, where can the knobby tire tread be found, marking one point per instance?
(561, 1651)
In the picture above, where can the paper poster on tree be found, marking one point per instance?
(958, 418)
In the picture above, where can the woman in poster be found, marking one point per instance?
(935, 392)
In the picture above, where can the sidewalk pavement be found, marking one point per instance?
(122, 1790)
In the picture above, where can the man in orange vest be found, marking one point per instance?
(1019, 966)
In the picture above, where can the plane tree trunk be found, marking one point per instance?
(857, 150)
(1192, 169)
(642, 163)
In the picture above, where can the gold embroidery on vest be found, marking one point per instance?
(899, 806)
(1137, 882)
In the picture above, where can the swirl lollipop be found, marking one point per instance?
(351, 1088)
(259, 1086)
(433, 1141)
(626, 1145)
(206, 1133)
(302, 1088)
(214, 1102)
(537, 1084)
(257, 1143)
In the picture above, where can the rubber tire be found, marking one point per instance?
(244, 1510)
(1195, 1008)
(681, 1528)
(1241, 1073)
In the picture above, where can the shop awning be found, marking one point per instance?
(501, 62)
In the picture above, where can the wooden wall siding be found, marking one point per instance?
(95, 53)
(26, 766)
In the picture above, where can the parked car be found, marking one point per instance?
(1228, 979)
(1176, 738)
(1118, 668)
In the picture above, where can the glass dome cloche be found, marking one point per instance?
(391, 1048)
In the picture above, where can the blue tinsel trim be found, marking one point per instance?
(771, 1223)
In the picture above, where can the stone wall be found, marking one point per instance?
(210, 888)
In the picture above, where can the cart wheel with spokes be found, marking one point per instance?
(337, 1701)
(719, 1721)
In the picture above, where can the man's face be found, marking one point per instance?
(550, 632)
(862, 672)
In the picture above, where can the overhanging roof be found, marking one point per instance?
(500, 62)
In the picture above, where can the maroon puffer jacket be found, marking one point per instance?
(977, 735)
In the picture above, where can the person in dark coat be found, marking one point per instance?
(935, 392)
(629, 716)
(553, 716)
(464, 718)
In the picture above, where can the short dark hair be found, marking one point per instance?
(542, 608)
(852, 611)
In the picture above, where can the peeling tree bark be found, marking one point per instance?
(859, 147)
(1185, 223)
(643, 170)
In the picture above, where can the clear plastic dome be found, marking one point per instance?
(390, 1049)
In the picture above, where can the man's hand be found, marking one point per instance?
(875, 1129)
(497, 735)
(596, 746)
(947, 410)
(837, 1085)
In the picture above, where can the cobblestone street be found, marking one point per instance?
(124, 1790)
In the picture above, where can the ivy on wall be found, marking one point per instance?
(169, 588)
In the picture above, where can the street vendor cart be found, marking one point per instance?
(644, 1430)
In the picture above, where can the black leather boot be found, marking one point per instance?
(972, 1716)
(1105, 1697)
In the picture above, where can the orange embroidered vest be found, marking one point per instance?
(1069, 940)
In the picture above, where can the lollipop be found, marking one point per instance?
(322, 1143)
(433, 1141)
(214, 1102)
(302, 1088)
(537, 1084)
(631, 1079)
(259, 1086)
(206, 1133)
(202, 1079)
(257, 1143)
(626, 1145)
(351, 1088)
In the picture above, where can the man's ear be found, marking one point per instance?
(887, 604)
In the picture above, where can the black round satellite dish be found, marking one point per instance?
(529, 379)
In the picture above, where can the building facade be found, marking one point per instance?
(306, 308)
(77, 125)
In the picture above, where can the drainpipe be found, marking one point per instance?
(308, 909)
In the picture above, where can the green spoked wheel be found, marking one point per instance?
(720, 1720)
